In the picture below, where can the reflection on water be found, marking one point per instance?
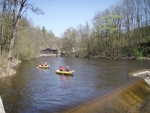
(64, 77)
(43, 91)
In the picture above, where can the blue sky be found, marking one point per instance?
(62, 14)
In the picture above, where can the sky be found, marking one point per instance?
(62, 14)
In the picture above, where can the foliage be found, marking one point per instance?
(17, 33)
(31, 40)
(117, 31)
(138, 53)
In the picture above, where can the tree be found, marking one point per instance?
(117, 32)
(87, 39)
(18, 7)
(69, 41)
(44, 30)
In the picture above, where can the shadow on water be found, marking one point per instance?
(34, 90)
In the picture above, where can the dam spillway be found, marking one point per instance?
(130, 98)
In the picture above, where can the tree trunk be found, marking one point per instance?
(1, 30)
(18, 11)
(11, 49)
(12, 41)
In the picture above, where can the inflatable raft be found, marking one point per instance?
(65, 72)
(43, 66)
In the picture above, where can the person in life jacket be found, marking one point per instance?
(67, 68)
(45, 64)
(61, 68)
(41, 64)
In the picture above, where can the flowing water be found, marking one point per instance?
(34, 90)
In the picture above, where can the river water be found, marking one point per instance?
(34, 90)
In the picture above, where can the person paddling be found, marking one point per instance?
(41, 64)
(61, 68)
(46, 64)
(67, 68)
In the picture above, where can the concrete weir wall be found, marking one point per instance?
(1, 106)
(127, 99)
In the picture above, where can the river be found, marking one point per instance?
(34, 90)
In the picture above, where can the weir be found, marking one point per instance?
(130, 98)
(1, 106)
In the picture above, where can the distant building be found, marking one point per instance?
(49, 51)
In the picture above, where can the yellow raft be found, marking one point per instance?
(45, 67)
(65, 72)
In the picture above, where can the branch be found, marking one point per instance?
(34, 9)
(22, 4)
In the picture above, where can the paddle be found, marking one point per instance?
(73, 70)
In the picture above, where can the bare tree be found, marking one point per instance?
(18, 7)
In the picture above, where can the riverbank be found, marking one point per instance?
(14, 64)
(4, 73)
(122, 58)
(107, 57)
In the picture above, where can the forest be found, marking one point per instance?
(121, 31)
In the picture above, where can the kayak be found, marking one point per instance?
(46, 67)
(65, 72)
